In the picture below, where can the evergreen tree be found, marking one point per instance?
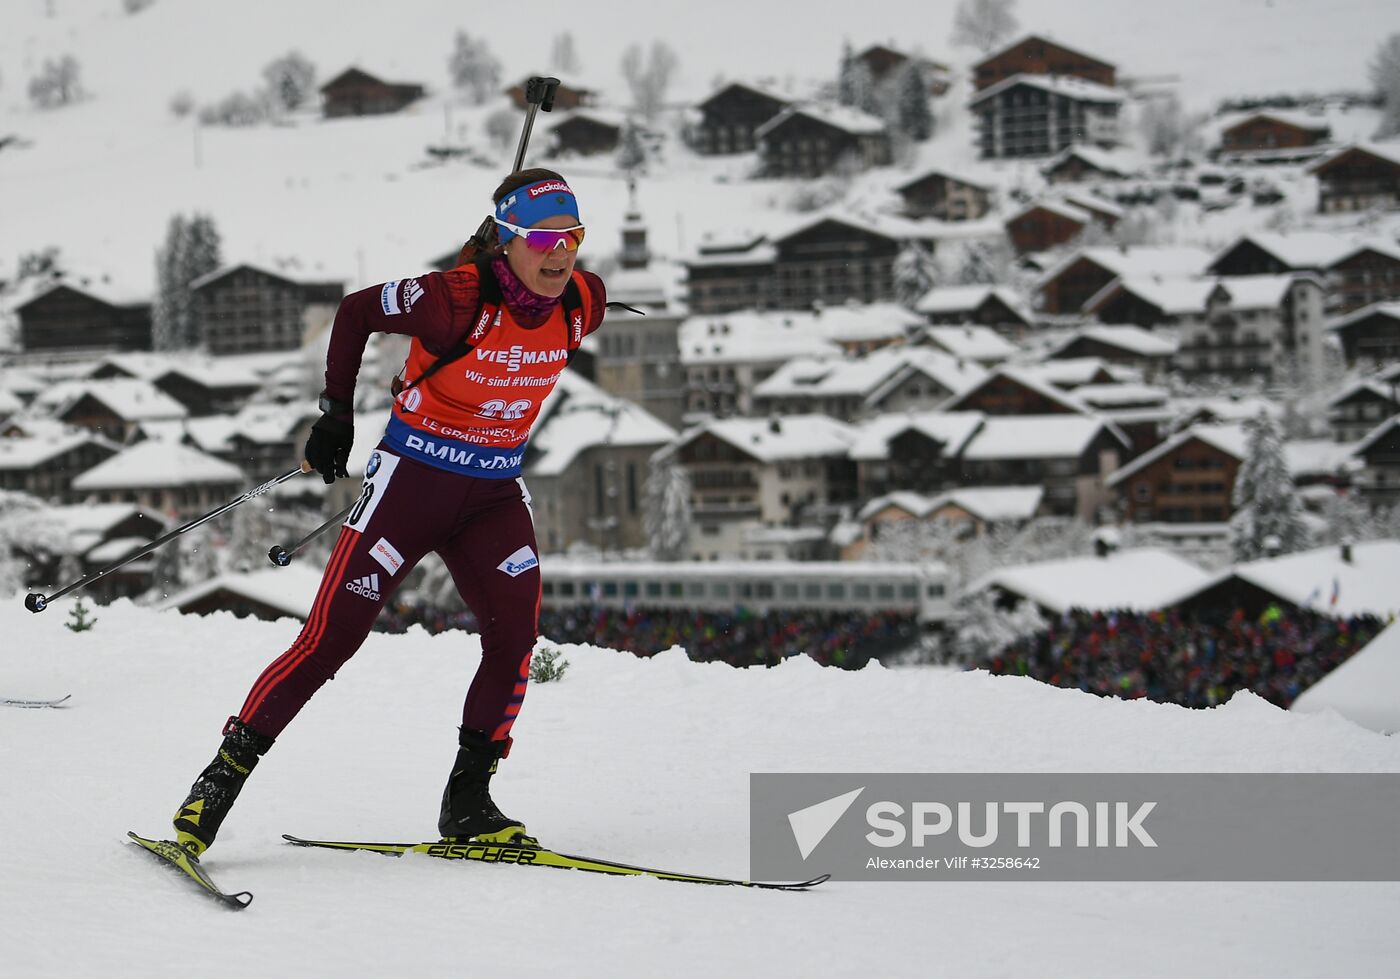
(913, 274)
(845, 84)
(666, 507)
(191, 249)
(912, 116)
(1267, 511)
(58, 83)
(865, 95)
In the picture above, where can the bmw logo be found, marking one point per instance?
(372, 466)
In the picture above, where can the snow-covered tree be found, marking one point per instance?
(649, 76)
(39, 264)
(1168, 130)
(845, 83)
(864, 93)
(191, 249)
(565, 53)
(291, 80)
(982, 262)
(631, 151)
(1268, 513)
(913, 274)
(983, 24)
(502, 128)
(1350, 518)
(58, 83)
(237, 109)
(1385, 76)
(666, 507)
(911, 115)
(30, 536)
(981, 628)
(473, 68)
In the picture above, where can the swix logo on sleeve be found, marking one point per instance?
(519, 562)
(389, 298)
(366, 587)
(516, 355)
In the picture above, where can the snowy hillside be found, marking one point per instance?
(359, 200)
(642, 760)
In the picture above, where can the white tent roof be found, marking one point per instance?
(1365, 689)
(1139, 580)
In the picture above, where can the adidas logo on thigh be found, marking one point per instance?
(366, 587)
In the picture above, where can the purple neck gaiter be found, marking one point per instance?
(529, 308)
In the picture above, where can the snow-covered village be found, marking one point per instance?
(979, 386)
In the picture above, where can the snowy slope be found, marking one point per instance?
(643, 760)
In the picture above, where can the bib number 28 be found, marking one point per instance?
(509, 412)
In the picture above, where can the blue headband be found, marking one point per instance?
(531, 204)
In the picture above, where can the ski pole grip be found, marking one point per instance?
(306, 467)
(36, 602)
(540, 91)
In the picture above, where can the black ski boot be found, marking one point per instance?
(213, 793)
(467, 809)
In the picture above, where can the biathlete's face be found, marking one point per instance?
(545, 273)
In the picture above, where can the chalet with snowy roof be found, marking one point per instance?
(1140, 579)
(1066, 287)
(1077, 164)
(970, 512)
(1369, 335)
(1035, 55)
(1355, 411)
(99, 535)
(885, 63)
(975, 344)
(163, 476)
(1260, 136)
(1040, 115)
(46, 465)
(115, 409)
(1368, 274)
(729, 117)
(914, 451)
(1379, 453)
(1358, 178)
(1274, 253)
(135, 366)
(981, 305)
(1250, 325)
(725, 356)
(825, 259)
(586, 133)
(565, 96)
(244, 309)
(1142, 412)
(1131, 346)
(1345, 580)
(811, 141)
(267, 594)
(1070, 374)
(587, 465)
(208, 388)
(888, 379)
(747, 473)
(1013, 391)
(1068, 455)
(355, 92)
(65, 316)
(1045, 224)
(1187, 479)
(941, 195)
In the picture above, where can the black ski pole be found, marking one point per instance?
(539, 94)
(36, 602)
(282, 556)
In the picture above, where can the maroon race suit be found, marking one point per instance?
(458, 494)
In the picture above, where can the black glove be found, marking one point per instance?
(328, 446)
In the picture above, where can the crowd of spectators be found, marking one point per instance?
(1192, 660)
(740, 638)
